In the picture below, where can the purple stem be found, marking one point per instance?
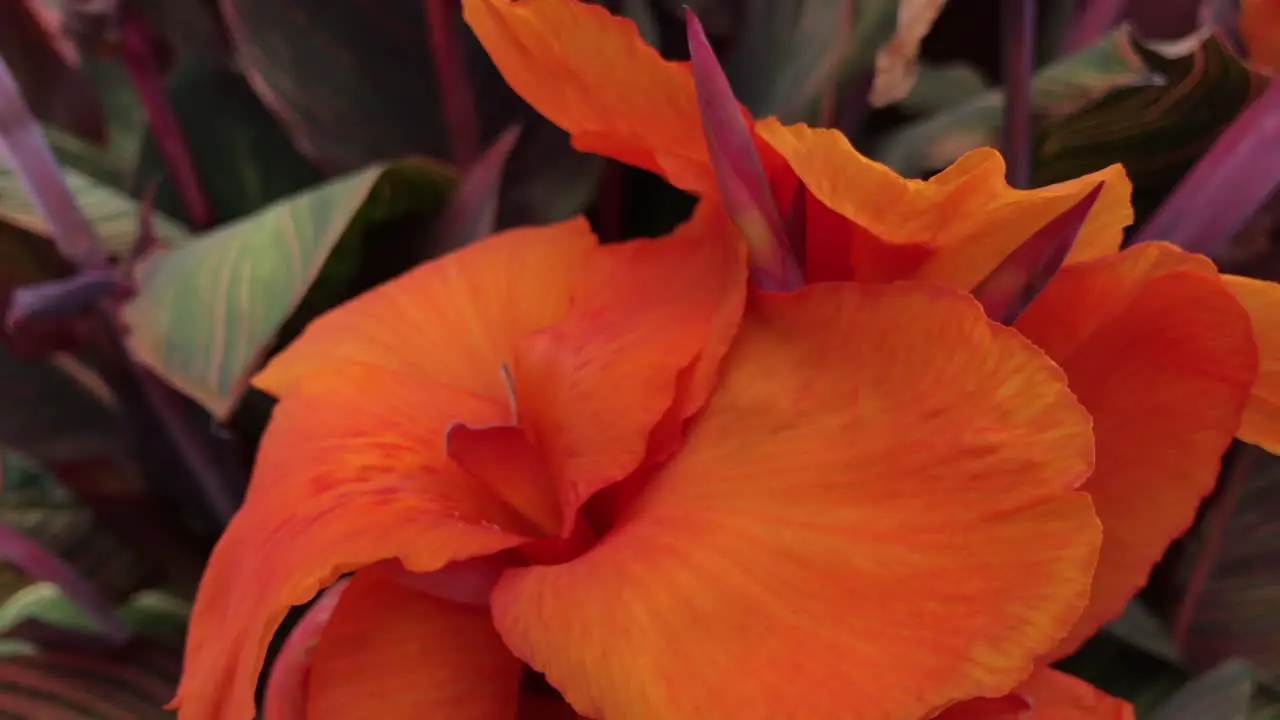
(1018, 31)
(38, 171)
(144, 72)
(451, 74)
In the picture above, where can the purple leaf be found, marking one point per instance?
(1227, 186)
(740, 175)
(472, 211)
(40, 563)
(1007, 291)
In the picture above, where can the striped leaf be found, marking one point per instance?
(129, 684)
(207, 311)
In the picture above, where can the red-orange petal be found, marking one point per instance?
(1163, 358)
(1260, 30)
(1047, 695)
(453, 320)
(872, 516)
(1261, 424)
(346, 476)
(392, 653)
(591, 73)
(593, 386)
(966, 218)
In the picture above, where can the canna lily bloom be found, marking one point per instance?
(1171, 358)
(1260, 31)
(670, 496)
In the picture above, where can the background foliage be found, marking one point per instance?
(248, 164)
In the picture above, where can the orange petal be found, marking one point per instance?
(1047, 695)
(873, 512)
(592, 74)
(967, 217)
(348, 474)
(596, 384)
(1260, 30)
(1163, 358)
(1261, 425)
(392, 653)
(453, 320)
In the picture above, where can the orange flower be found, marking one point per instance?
(1158, 346)
(1260, 30)
(682, 502)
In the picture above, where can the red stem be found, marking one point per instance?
(139, 60)
(451, 74)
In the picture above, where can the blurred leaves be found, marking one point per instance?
(1225, 592)
(1224, 693)
(1058, 90)
(1157, 132)
(207, 312)
(896, 60)
(787, 54)
(45, 68)
(243, 158)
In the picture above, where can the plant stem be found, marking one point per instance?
(139, 60)
(451, 74)
(1018, 30)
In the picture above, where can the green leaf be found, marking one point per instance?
(1159, 132)
(244, 160)
(939, 87)
(111, 212)
(207, 311)
(1058, 89)
(1224, 693)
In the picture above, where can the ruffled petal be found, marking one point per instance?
(1047, 695)
(591, 73)
(963, 222)
(392, 653)
(873, 515)
(1261, 424)
(1163, 357)
(453, 320)
(649, 325)
(348, 474)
